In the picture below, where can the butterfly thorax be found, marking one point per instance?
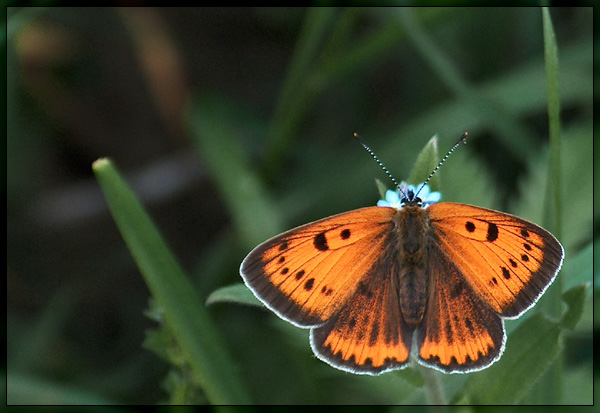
(412, 231)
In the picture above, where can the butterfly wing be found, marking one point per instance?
(307, 274)
(368, 335)
(459, 331)
(507, 261)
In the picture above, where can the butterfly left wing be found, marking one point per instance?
(307, 274)
(459, 331)
(507, 261)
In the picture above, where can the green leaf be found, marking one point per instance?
(237, 293)
(575, 299)
(529, 351)
(184, 311)
(553, 86)
(381, 188)
(580, 267)
(426, 162)
(552, 381)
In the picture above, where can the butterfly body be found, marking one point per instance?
(410, 232)
(373, 283)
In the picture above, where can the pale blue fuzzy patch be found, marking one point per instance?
(393, 199)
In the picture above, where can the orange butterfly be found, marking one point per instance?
(366, 281)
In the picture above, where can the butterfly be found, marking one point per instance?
(410, 275)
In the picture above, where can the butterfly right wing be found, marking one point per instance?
(307, 274)
(509, 262)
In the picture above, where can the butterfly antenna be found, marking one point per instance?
(462, 139)
(387, 172)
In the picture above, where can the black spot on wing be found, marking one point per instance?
(469, 226)
(320, 242)
(492, 232)
(308, 285)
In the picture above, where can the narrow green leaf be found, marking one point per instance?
(552, 83)
(184, 311)
(529, 351)
(237, 293)
(381, 188)
(426, 161)
(575, 299)
(296, 93)
(552, 381)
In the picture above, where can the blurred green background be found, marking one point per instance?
(234, 124)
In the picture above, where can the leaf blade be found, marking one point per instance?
(183, 310)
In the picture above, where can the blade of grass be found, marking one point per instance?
(369, 48)
(295, 93)
(344, 28)
(211, 124)
(550, 385)
(552, 83)
(184, 311)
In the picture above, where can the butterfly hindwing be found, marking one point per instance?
(307, 274)
(368, 335)
(509, 262)
(459, 331)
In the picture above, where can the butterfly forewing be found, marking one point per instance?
(508, 261)
(307, 274)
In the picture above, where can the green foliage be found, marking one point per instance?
(181, 307)
(529, 351)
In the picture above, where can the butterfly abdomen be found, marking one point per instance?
(412, 277)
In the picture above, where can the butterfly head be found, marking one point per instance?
(409, 195)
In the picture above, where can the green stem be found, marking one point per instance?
(433, 388)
